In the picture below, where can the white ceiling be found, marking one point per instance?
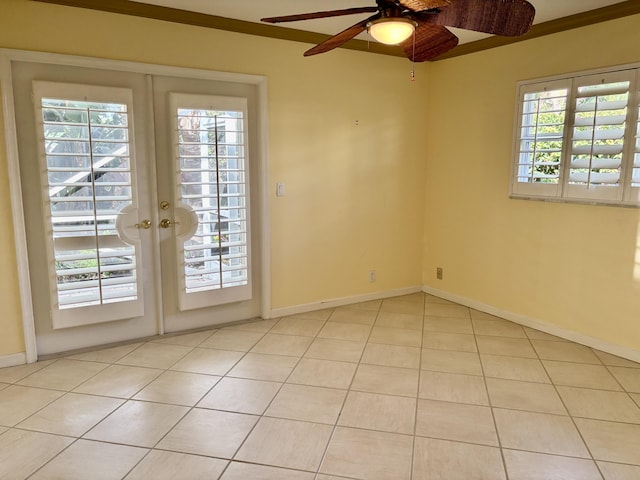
(254, 10)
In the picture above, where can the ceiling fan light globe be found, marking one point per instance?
(391, 31)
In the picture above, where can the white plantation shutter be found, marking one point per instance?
(578, 138)
(601, 111)
(542, 118)
(86, 157)
(210, 146)
(633, 195)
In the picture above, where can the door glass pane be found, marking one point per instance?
(212, 178)
(87, 151)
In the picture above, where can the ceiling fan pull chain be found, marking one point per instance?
(413, 59)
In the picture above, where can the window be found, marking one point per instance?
(578, 139)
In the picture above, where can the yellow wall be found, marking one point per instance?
(354, 198)
(574, 266)
(420, 182)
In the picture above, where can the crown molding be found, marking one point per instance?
(145, 10)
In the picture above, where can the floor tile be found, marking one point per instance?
(349, 315)
(395, 336)
(635, 397)
(428, 298)
(391, 355)
(447, 325)
(451, 387)
(537, 466)
(409, 307)
(580, 375)
(613, 361)
(456, 421)
(628, 377)
(119, 381)
(298, 326)
(399, 320)
(241, 395)
(386, 380)
(63, 374)
(237, 340)
(611, 442)
(186, 340)
(72, 415)
(209, 432)
(437, 459)
(444, 310)
(136, 423)
(484, 324)
(258, 366)
(345, 331)
(246, 471)
(178, 388)
(370, 455)
(18, 403)
(155, 355)
(600, 404)
(23, 452)
(163, 465)
(449, 341)
(13, 374)
(106, 355)
(208, 361)
(105, 461)
(310, 404)
(539, 432)
(373, 411)
(514, 368)
(286, 443)
(616, 471)
(565, 352)
(514, 347)
(332, 349)
(274, 344)
(534, 334)
(532, 397)
(262, 326)
(323, 373)
(451, 362)
(372, 305)
(323, 314)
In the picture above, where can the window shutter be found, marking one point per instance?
(542, 119)
(597, 150)
(634, 174)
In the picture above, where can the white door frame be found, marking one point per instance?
(7, 56)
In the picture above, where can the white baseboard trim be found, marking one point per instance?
(339, 302)
(545, 327)
(13, 360)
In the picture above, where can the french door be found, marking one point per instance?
(138, 193)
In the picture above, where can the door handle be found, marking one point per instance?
(166, 223)
(146, 224)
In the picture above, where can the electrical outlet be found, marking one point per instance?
(439, 273)
(372, 276)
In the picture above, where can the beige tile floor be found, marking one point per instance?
(412, 387)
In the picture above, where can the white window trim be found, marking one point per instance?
(562, 192)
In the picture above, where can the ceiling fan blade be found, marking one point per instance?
(340, 38)
(510, 18)
(311, 16)
(430, 41)
(419, 5)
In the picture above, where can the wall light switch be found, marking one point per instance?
(280, 190)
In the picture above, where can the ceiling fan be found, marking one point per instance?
(419, 26)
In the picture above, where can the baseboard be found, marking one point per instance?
(545, 327)
(13, 360)
(339, 302)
